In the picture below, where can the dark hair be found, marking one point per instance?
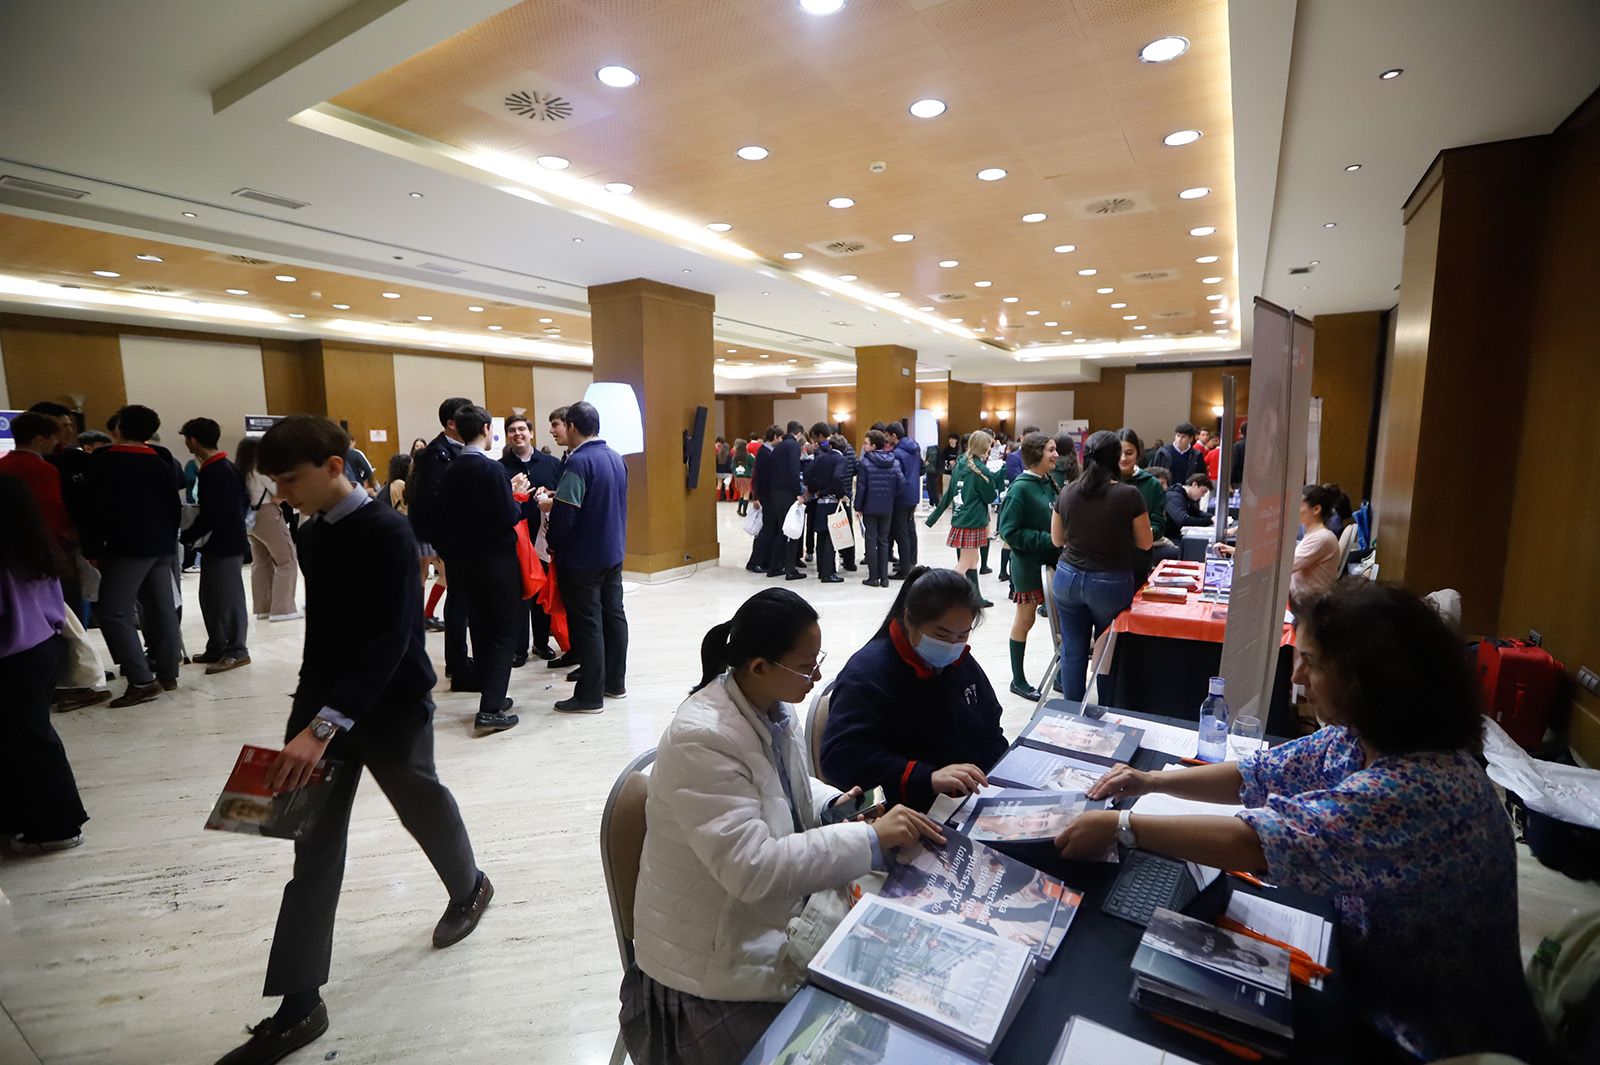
(31, 425)
(877, 438)
(300, 438)
(1027, 429)
(880, 426)
(513, 419)
(793, 427)
(26, 549)
(767, 625)
(93, 436)
(399, 467)
(772, 433)
(471, 421)
(246, 455)
(137, 422)
(1128, 436)
(896, 429)
(414, 443)
(821, 429)
(558, 415)
(927, 593)
(1244, 430)
(1033, 446)
(1329, 497)
(52, 409)
(204, 430)
(584, 418)
(1160, 473)
(447, 409)
(1102, 458)
(1186, 429)
(1200, 479)
(1399, 677)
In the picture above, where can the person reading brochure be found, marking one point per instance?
(363, 700)
(913, 711)
(737, 837)
(1387, 810)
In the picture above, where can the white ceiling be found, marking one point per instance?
(120, 105)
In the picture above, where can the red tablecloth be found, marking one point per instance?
(1190, 620)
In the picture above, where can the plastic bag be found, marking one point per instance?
(794, 523)
(1565, 792)
(752, 522)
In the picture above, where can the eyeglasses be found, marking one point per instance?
(814, 673)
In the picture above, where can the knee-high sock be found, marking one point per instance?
(983, 557)
(433, 599)
(1018, 647)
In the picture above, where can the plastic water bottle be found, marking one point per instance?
(1214, 725)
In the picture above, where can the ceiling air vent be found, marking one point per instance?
(242, 260)
(267, 197)
(1146, 276)
(1299, 270)
(538, 106)
(443, 268)
(844, 247)
(1115, 203)
(11, 181)
(1173, 314)
(156, 290)
(949, 297)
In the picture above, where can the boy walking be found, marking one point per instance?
(219, 532)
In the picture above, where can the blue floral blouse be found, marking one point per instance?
(1418, 857)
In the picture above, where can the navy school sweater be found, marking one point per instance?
(132, 494)
(220, 490)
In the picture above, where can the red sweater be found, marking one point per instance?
(44, 484)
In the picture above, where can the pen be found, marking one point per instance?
(1250, 878)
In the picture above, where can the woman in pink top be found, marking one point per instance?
(1316, 556)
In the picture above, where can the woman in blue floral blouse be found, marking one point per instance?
(1387, 810)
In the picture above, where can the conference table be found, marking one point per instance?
(1091, 974)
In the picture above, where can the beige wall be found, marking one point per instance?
(422, 382)
(187, 378)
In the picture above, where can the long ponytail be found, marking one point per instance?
(1102, 456)
(767, 625)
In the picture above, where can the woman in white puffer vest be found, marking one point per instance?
(738, 837)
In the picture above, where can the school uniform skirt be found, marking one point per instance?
(967, 538)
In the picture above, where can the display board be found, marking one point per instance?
(1154, 403)
(1043, 408)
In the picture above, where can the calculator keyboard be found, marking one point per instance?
(1148, 882)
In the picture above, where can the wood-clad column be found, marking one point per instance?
(1342, 377)
(657, 338)
(359, 389)
(291, 371)
(886, 385)
(966, 403)
(57, 359)
(508, 388)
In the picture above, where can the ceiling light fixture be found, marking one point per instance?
(546, 321)
(901, 238)
(839, 203)
(617, 77)
(847, 277)
(619, 188)
(1352, 168)
(794, 255)
(1392, 73)
(105, 273)
(230, 291)
(1219, 321)
(284, 277)
(1163, 49)
(1008, 299)
(1211, 280)
(1031, 314)
(1051, 325)
(554, 162)
(1034, 216)
(385, 295)
(1141, 327)
(1080, 340)
(1206, 259)
(1195, 193)
(1216, 296)
(496, 328)
(1105, 291)
(955, 321)
(475, 309)
(150, 258)
(424, 317)
(1062, 249)
(341, 306)
(1118, 306)
(982, 284)
(1329, 225)
(991, 173)
(891, 295)
(1066, 332)
(719, 227)
(1178, 138)
(415, 195)
(719, 359)
(296, 314)
(948, 263)
(929, 108)
(190, 214)
(577, 240)
(764, 355)
(1130, 318)
(1202, 231)
(752, 152)
(1088, 271)
(821, 7)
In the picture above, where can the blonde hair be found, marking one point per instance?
(978, 445)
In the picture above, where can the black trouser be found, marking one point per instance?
(826, 567)
(38, 795)
(495, 614)
(877, 537)
(904, 531)
(222, 605)
(537, 621)
(457, 602)
(847, 556)
(599, 628)
(814, 527)
(394, 742)
(771, 525)
(785, 554)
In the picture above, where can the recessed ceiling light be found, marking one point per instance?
(1088, 271)
(1034, 216)
(991, 173)
(924, 308)
(546, 321)
(1352, 168)
(764, 355)
(424, 317)
(390, 295)
(1031, 314)
(719, 227)
(341, 306)
(296, 314)
(190, 214)
(415, 195)
(577, 240)
(1392, 73)
(891, 295)
(1163, 49)
(150, 258)
(1178, 138)
(1329, 225)
(753, 152)
(1118, 306)
(1202, 231)
(1008, 299)
(475, 309)
(901, 238)
(1105, 291)
(847, 277)
(617, 77)
(687, 270)
(1062, 249)
(1219, 321)
(1141, 327)
(1210, 280)
(794, 255)
(1216, 296)
(1206, 259)
(1195, 193)
(927, 108)
(956, 321)
(1219, 330)
(496, 328)
(982, 284)
(285, 277)
(839, 203)
(1051, 325)
(1130, 318)
(619, 188)
(733, 351)
(552, 329)
(1066, 332)
(1316, 262)
(105, 273)
(948, 263)
(720, 359)
(821, 7)
(553, 162)
(1079, 340)
(231, 291)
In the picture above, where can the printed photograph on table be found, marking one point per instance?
(1218, 949)
(1071, 734)
(1024, 816)
(1030, 767)
(817, 1028)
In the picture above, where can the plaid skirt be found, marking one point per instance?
(1035, 596)
(661, 1026)
(967, 538)
(741, 487)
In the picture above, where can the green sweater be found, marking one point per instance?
(970, 489)
(743, 464)
(1155, 500)
(1025, 527)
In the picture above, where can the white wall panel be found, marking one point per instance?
(807, 409)
(1155, 402)
(557, 387)
(1043, 409)
(185, 379)
(422, 382)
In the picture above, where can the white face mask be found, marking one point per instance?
(939, 653)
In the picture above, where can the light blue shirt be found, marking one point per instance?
(347, 506)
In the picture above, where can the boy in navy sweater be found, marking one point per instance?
(363, 701)
(219, 533)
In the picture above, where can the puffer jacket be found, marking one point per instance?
(723, 869)
(878, 482)
(909, 455)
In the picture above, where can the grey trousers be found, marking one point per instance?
(222, 605)
(149, 583)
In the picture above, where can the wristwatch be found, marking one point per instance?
(1125, 834)
(323, 729)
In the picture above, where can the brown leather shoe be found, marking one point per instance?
(459, 920)
(222, 665)
(270, 1044)
(68, 699)
(136, 694)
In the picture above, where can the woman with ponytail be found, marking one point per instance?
(1316, 556)
(1103, 528)
(738, 835)
(913, 711)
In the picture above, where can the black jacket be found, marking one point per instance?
(480, 514)
(132, 492)
(1180, 466)
(543, 471)
(822, 473)
(786, 468)
(422, 490)
(761, 485)
(223, 505)
(845, 485)
(1182, 512)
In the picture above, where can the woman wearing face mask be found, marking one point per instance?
(913, 711)
(737, 837)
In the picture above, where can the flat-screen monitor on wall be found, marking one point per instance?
(694, 444)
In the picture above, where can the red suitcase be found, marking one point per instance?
(1520, 682)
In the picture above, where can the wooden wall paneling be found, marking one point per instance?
(966, 400)
(360, 391)
(292, 371)
(507, 386)
(747, 415)
(886, 383)
(50, 359)
(1206, 391)
(998, 399)
(1341, 375)
(1100, 402)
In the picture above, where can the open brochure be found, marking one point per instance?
(982, 888)
(1018, 816)
(249, 806)
(955, 983)
(1086, 738)
(1083, 1042)
(1030, 767)
(817, 1028)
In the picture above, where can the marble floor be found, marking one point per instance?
(146, 946)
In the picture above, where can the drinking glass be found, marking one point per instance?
(1245, 735)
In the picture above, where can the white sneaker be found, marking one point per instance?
(297, 615)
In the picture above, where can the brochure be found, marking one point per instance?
(1086, 738)
(249, 806)
(817, 1028)
(1015, 816)
(1030, 767)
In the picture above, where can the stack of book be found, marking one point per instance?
(1232, 986)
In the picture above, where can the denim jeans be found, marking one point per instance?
(1087, 602)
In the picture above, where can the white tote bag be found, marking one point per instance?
(752, 522)
(839, 529)
(794, 523)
